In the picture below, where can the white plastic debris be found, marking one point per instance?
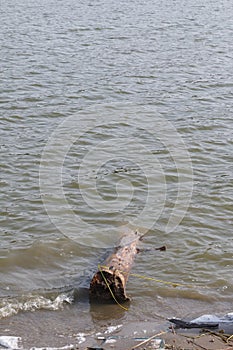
(112, 329)
(81, 338)
(110, 341)
(228, 318)
(9, 342)
(67, 347)
(156, 343)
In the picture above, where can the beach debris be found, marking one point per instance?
(66, 347)
(179, 323)
(148, 340)
(81, 337)
(112, 329)
(156, 343)
(10, 342)
(228, 318)
(110, 340)
(204, 321)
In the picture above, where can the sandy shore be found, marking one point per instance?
(169, 340)
(134, 335)
(182, 341)
(142, 336)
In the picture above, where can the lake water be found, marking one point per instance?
(115, 116)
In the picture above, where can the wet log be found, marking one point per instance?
(112, 276)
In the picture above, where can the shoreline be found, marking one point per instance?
(132, 336)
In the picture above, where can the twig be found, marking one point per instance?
(173, 329)
(200, 346)
(229, 338)
(147, 340)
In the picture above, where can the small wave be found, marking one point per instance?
(11, 306)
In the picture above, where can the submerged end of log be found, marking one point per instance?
(116, 282)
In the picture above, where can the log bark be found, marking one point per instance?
(116, 270)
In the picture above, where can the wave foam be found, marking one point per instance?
(11, 306)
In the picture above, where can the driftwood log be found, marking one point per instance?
(112, 276)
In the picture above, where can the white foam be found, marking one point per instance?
(31, 303)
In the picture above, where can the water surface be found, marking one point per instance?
(121, 67)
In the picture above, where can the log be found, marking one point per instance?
(112, 276)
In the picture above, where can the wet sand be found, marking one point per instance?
(204, 341)
(165, 339)
(138, 336)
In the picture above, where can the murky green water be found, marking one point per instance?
(114, 116)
